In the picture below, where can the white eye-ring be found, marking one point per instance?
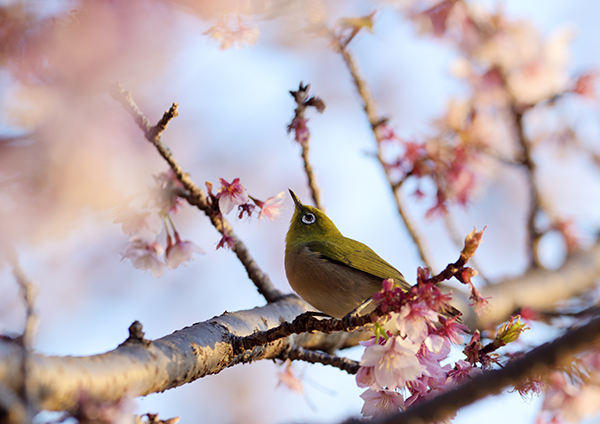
(308, 218)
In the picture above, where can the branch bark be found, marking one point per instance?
(139, 367)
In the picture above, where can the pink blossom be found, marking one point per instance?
(144, 222)
(415, 320)
(379, 403)
(452, 329)
(567, 401)
(289, 379)
(168, 188)
(394, 363)
(431, 360)
(180, 252)
(231, 195)
(365, 377)
(462, 372)
(145, 255)
(301, 133)
(271, 208)
(391, 297)
(226, 241)
(586, 85)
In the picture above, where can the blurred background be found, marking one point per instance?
(70, 156)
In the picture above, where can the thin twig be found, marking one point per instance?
(375, 120)
(535, 206)
(304, 323)
(316, 357)
(302, 134)
(458, 241)
(195, 196)
(28, 292)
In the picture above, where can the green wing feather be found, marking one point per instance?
(356, 255)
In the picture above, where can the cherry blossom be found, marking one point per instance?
(415, 319)
(180, 252)
(394, 363)
(289, 379)
(145, 222)
(379, 403)
(271, 208)
(145, 255)
(462, 371)
(365, 377)
(231, 195)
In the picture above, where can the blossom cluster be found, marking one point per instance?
(234, 194)
(405, 354)
(145, 223)
(509, 70)
(403, 362)
(575, 395)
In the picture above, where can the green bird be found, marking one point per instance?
(333, 273)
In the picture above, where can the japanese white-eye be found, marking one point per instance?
(333, 273)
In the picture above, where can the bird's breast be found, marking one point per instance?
(331, 287)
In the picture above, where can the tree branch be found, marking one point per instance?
(314, 357)
(302, 135)
(139, 367)
(195, 195)
(535, 202)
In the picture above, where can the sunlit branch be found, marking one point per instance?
(139, 367)
(195, 196)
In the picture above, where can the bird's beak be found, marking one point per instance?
(296, 200)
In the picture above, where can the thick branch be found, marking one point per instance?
(195, 195)
(138, 367)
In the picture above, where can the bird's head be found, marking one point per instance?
(309, 224)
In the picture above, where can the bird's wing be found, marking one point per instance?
(357, 255)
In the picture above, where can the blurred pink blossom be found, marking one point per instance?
(289, 379)
(145, 255)
(180, 252)
(271, 208)
(144, 222)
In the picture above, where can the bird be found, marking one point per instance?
(333, 273)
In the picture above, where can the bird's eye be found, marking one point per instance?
(308, 218)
